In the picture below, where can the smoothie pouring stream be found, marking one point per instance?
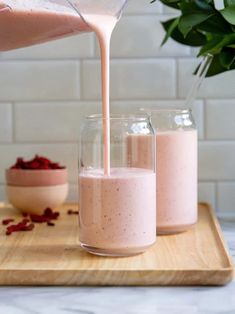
(126, 226)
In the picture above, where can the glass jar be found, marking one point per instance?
(117, 214)
(176, 160)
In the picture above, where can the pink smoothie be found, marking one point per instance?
(176, 180)
(28, 22)
(117, 212)
(176, 169)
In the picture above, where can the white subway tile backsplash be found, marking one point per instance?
(51, 121)
(226, 197)
(206, 193)
(216, 161)
(141, 36)
(35, 80)
(5, 122)
(220, 119)
(65, 153)
(220, 86)
(131, 79)
(73, 47)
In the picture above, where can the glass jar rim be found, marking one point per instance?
(116, 116)
(166, 110)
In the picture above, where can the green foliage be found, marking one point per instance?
(200, 24)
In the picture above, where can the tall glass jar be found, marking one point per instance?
(117, 214)
(176, 159)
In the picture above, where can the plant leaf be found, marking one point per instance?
(201, 24)
(229, 14)
(195, 7)
(227, 58)
(215, 45)
(216, 24)
(216, 67)
(229, 2)
(171, 3)
(194, 38)
(204, 5)
(169, 29)
(187, 22)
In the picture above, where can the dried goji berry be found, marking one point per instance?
(37, 163)
(7, 221)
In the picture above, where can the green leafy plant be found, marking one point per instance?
(201, 24)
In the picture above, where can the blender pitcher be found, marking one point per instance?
(24, 23)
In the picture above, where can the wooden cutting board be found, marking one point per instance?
(52, 256)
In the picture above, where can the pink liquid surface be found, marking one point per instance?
(29, 22)
(118, 212)
(176, 165)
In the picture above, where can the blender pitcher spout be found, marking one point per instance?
(122, 9)
(75, 7)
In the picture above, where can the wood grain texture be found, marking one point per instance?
(52, 256)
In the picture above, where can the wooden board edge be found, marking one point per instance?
(114, 278)
(220, 237)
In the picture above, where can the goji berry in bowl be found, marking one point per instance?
(32, 186)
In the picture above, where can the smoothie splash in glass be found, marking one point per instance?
(117, 211)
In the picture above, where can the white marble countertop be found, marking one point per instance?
(124, 300)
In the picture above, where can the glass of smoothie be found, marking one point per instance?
(176, 164)
(117, 214)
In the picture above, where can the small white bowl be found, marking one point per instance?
(34, 200)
